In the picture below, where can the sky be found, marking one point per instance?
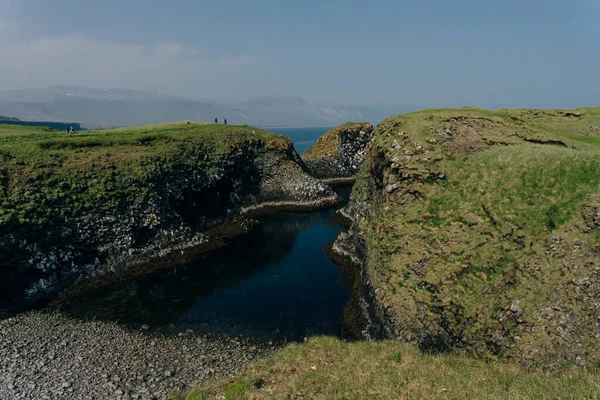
(408, 53)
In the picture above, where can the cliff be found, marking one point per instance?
(78, 205)
(478, 231)
(339, 153)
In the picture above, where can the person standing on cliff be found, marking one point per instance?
(216, 121)
(225, 121)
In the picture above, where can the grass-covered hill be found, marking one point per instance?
(44, 174)
(482, 232)
(75, 204)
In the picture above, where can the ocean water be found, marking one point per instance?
(273, 283)
(303, 138)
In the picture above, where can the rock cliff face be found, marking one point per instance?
(339, 153)
(477, 231)
(76, 206)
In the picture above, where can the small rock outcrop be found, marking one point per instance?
(339, 153)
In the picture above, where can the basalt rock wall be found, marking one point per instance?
(339, 153)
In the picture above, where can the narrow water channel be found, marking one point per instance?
(273, 283)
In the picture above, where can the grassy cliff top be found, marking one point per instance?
(37, 147)
(327, 368)
(41, 170)
(487, 237)
(350, 123)
(328, 145)
(575, 127)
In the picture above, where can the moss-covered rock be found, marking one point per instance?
(76, 205)
(339, 153)
(478, 232)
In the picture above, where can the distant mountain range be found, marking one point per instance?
(8, 119)
(103, 108)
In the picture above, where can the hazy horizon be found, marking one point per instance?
(430, 54)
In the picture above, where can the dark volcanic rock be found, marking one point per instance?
(340, 152)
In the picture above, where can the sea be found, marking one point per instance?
(303, 138)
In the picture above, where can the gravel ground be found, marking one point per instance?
(50, 356)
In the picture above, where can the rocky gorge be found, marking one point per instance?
(106, 202)
(473, 241)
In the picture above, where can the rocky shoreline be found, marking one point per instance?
(50, 356)
(275, 206)
(339, 181)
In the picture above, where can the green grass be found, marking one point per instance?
(506, 223)
(48, 175)
(327, 368)
(34, 146)
(354, 123)
(532, 187)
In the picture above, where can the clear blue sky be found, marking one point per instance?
(424, 53)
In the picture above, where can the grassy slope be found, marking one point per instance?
(497, 258)
(326, 368)
(42, 173)
(329, 144)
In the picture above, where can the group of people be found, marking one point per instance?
(224, 121)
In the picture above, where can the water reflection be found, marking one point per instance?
(274, 283)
